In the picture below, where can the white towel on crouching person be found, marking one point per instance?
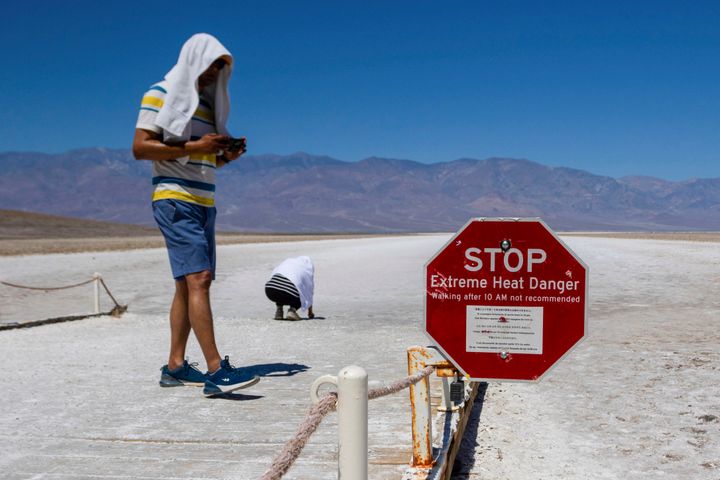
(182, 98)
(301, 272)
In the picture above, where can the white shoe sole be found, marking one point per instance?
(170, 381)
(232, 388)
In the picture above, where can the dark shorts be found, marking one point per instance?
(189, 232)
(282, 298)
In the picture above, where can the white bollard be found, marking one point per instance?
(352, 408)
(96, 284)
(353, 423)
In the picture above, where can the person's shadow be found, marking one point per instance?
(303, 319)
(274, 369)
(265, 370)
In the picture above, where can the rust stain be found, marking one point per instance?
(418, 359)
(444, 371)
(419, 459)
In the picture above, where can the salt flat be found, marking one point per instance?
(637, 399)
(82, 401)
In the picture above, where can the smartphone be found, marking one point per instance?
(237, 144)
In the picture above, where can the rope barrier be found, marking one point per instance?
(47, 289)
(116, 311)
(292, 448)
(400, 384)
(122, 308)
(291, 451)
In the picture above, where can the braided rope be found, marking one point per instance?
(117, 305)
(291, 451)
(66, 287)
(46, 289)
(400, 384)
(117, 310)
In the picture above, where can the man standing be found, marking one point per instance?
(181, 128)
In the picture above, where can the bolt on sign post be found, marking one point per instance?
(505, 299)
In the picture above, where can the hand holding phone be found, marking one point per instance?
(237, 144)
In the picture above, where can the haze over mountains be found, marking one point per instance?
(306, 193)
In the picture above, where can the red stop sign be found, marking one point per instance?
(505, 299)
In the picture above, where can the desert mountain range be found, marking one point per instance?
(308, 193)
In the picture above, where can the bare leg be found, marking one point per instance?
(179, 325)
(200, 315)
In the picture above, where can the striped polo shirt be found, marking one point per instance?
(193, 182)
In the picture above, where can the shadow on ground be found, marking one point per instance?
(302, 319)
(465, 460)
(264, 370)
(275, 369)
(238, 397)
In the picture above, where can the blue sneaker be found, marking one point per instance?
(227, 379)
(188, 375)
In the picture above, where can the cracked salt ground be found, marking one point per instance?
(637, 399)
(101, 414)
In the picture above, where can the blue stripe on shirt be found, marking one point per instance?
(201, 164)
(208, 187)
(158, 88)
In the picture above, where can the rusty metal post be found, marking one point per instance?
(418, 359)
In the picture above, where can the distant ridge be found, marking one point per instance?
(16, 225)
(309, 193)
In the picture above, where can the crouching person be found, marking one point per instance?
(292, 284)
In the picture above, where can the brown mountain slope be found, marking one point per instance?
(302, 193)
(17, 225)
(28, 233)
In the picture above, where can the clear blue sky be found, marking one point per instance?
(615, 88)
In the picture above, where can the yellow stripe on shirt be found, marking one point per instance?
(154, 101)
(184, 196)
(209, 117)
(204, 157)
(159, 102)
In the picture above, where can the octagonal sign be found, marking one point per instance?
(505, 299)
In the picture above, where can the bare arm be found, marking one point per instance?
(147, 145)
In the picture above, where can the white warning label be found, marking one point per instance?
(497, 329)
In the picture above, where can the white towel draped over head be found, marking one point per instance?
(182, 97)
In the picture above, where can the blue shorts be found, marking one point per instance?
(189, 232)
